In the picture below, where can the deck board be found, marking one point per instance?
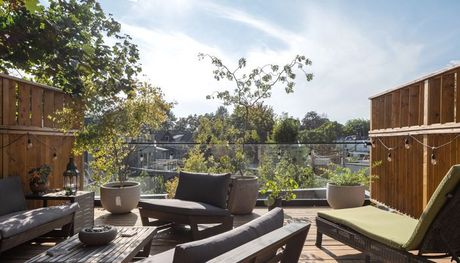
(333, 251)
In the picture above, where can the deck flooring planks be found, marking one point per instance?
(333, 251)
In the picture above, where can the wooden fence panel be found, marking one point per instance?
(24, 111)
(429, 111)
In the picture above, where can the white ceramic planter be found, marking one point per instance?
(340, 197)
(119, 199)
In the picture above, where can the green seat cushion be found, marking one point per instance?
(389, 228)
(437, 201)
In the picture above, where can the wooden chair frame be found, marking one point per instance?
(281, 245)
(224, 223)
(443, 236)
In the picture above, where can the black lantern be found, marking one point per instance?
(71, 178)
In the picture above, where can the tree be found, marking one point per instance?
(312, 120)
(71, 45)
(286, 130)
(358, 127)
(260, 122)
(331, 131)
(255, 85)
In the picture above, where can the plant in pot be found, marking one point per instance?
(346, 188)
(105, 140)
(250, 89)
(38, 179)
(278, 179)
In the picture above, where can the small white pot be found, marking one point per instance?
(340, 197)
(118, 199)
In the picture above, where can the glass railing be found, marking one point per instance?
(153, 165)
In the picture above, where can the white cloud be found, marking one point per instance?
(349, 63)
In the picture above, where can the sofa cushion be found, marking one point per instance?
(182, 207)
(206, 188)
(386, 227)
(11, 197)
(21, 221)
(163, 257)
(211, 247)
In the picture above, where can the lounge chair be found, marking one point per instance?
(394, 237)
(19, 225)
(199, 199)
(257, 241)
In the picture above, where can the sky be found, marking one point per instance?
(358, 48)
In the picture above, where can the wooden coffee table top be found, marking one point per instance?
(121, 249)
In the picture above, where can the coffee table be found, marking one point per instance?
(121, 249)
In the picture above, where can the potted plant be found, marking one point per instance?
(38, 179)
(105, 138)
(278, 180)
(251, 88)
(346, 188)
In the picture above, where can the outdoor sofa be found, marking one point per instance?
(19, 225)
(257, 241)
(393, 237)
(200, 199)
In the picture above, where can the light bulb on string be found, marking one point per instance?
(373, 143)
(407, 144)
(141, 157)
(279, 154)
(433, 158)
(29, 143)
(54, 156)
(389, 157)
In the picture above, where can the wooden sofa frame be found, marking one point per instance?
(281, 245)
(65, 223)
(443, 236)
(224, 223)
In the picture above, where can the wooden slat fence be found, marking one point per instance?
(426, 110)
(24, 115)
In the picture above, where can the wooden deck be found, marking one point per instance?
(333, 251)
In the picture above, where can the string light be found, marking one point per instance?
(171, 156)
(407, 144)
(279, 154)
(389, 157)
(141, 157)
(29, 142)
(54, 156)
(433, 157)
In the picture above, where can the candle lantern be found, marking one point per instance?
(71, 178)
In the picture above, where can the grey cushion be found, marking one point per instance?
(206, 188)
(183, 207)
(208, 248)
(163, 257)
(11, 197)
(21, 221)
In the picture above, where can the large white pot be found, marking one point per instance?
(340, 197)
(243, 194)
(120, 198)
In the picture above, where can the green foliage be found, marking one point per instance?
(286, 130)
(40, 174)
(260, 122)
(280, 177)
(150, 184)
(171, 187)
(71, 45)
(104, 137)
(312, 120)
(343, 176)
(328, 132)
(358, 127)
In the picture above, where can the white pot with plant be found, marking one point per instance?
(105, 139)
(345, 188)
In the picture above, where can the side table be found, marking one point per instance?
(84, 217)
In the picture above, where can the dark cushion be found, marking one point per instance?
(183, 207)
(208, 248)
(21, 221)
(206, 188)
(11, 195)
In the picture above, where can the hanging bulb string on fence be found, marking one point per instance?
(387, 147)
(13, 141)
(434, 147)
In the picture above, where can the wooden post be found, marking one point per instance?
(425, 141)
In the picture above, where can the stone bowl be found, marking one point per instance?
(97, 235)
